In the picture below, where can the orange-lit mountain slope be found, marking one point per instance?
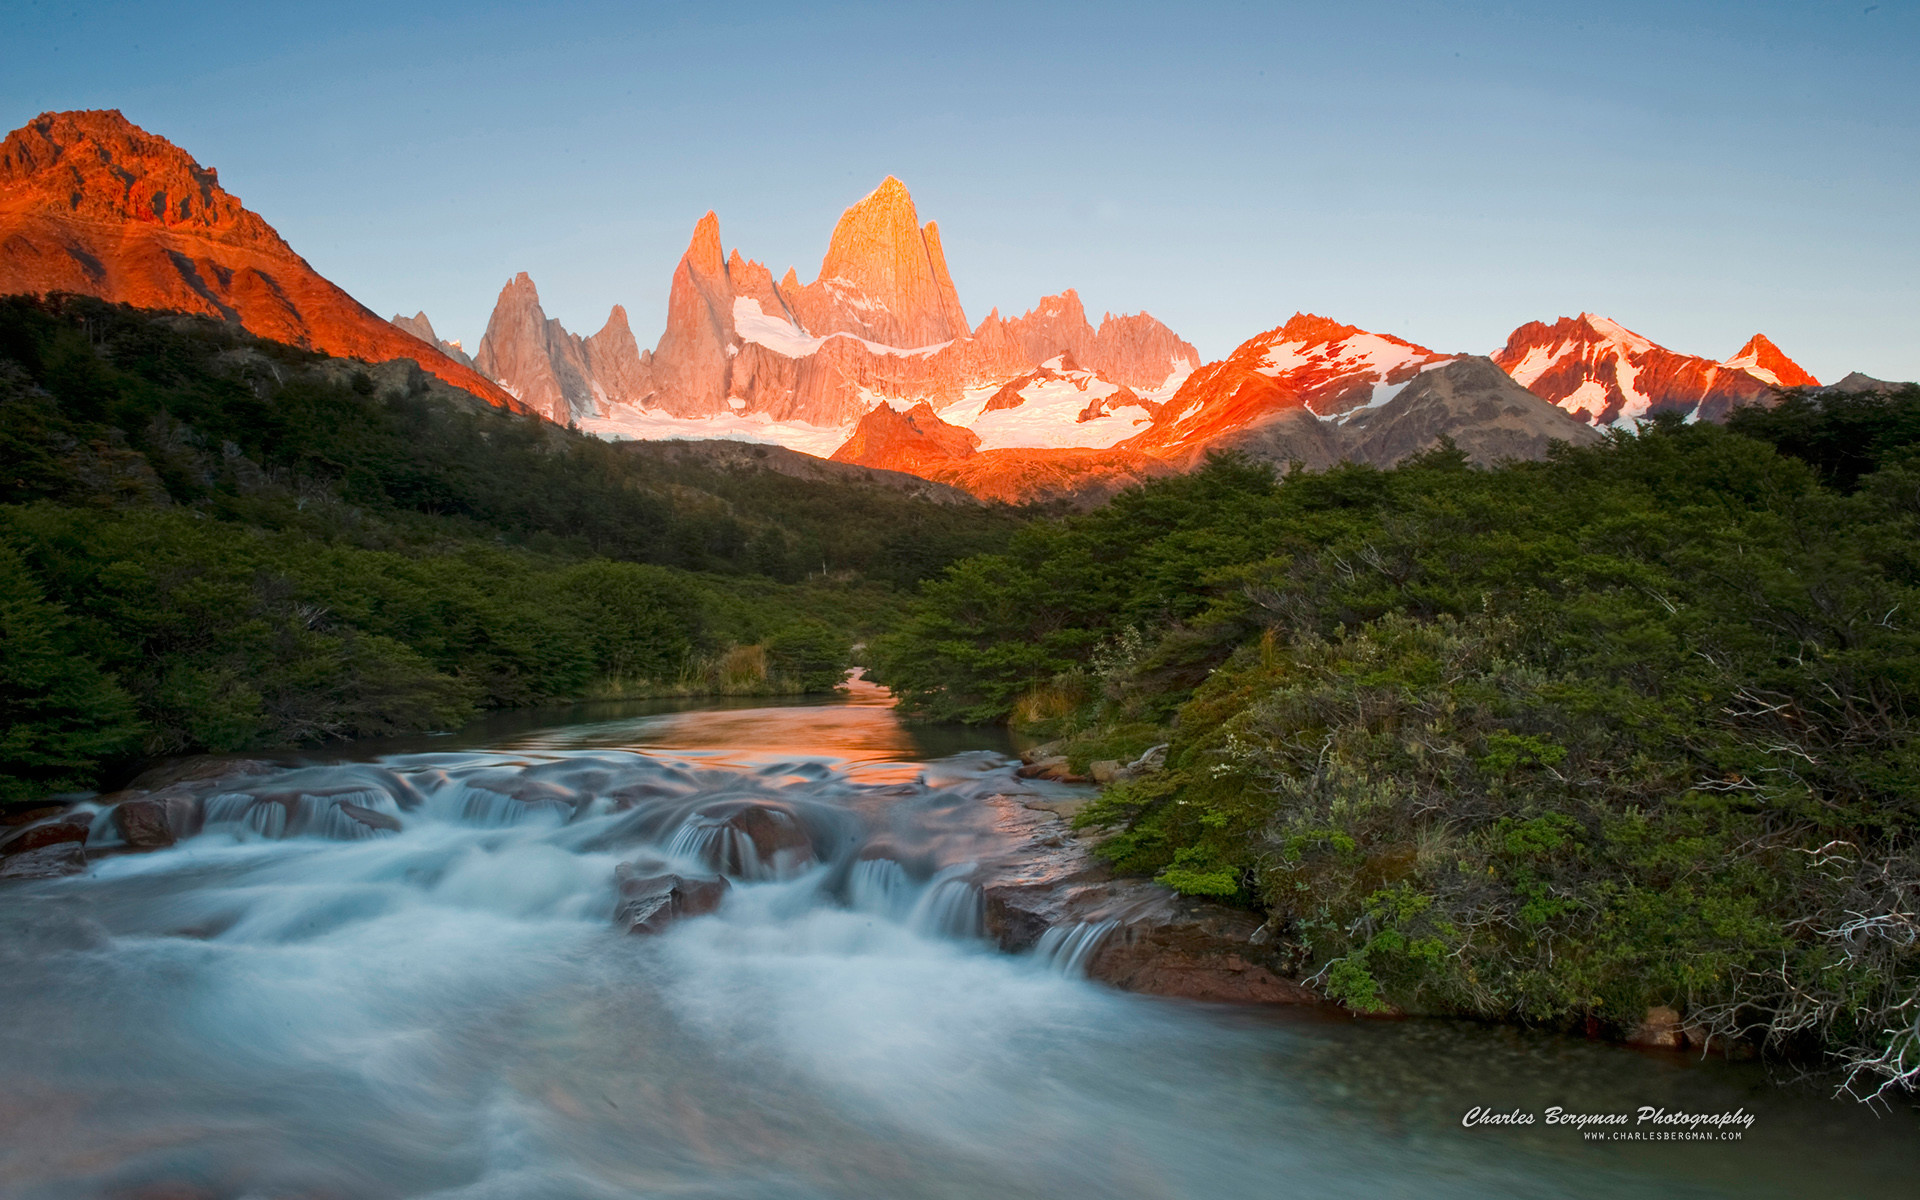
(92, 204)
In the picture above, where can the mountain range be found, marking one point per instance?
(874, 361)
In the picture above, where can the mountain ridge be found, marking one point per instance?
(94, 205)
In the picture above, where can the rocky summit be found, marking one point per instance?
(94, 205)
(1606, 374)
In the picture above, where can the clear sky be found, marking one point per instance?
(1442, 172)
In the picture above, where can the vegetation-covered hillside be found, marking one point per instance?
(212, 542)
(1557, 742)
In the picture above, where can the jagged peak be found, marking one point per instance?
(1762, 358)
(616, 320)
(703, 250)
(521, 283)
(890, 189)
(1311, 327)
(1059, 304)
(418, 325)
(1612, 331)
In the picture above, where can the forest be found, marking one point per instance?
(1554, 742)
(213, 542)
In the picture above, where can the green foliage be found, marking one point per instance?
(1845, 437)
(59, 716)
(1553, 742)
(811, 654)
(212, 542)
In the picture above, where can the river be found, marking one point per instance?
(290, 1006)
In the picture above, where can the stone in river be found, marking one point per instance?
(152, 822)
(650, 903)
(60, 858)
(68, 827)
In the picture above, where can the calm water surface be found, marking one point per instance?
(278, 1009)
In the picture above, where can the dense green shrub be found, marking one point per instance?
(1554, 742)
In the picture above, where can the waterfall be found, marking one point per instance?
(1065, 949)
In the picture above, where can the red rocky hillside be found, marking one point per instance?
(92, 204)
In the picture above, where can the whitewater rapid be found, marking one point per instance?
(289, 1004)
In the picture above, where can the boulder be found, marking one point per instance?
(204, 770)
(1157, 941)
(59, 858)
(1107, 770)
(1045, 750)
(67, 827)
(152, 822)
(1057, 768)
(1197, 951)
(753, 838)
(371, 818)
(650, 903)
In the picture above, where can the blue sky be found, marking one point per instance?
(1442, 172)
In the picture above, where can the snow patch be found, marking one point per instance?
(627, 423)
(1537, 361)
(1363, 352)
(1591, 395)
(1048, 415)
(785, 338)
(1619, 335)
(1750, 363)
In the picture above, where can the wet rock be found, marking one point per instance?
(47, 862)
(151, 822)
(650, 903)
(1045, 750)
(1197, 951)
(1661, 1028)
(752, 839)
(67, 827)
(1068, 807)
(204, 770)
(371, 818)
(15, 816)
(633, 795)
(542, 792)
(1056, 768)
(1156, 941)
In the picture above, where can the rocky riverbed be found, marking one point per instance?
(1037, 885)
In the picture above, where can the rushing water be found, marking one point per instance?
(293, 1005)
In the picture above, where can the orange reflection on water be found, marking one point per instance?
(860, 732)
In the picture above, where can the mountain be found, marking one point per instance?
(884, 277)
(1311, 391)
(94, 205)
(913, 441)
(420, 327)
(917, 441)
(744, 354)
(1469, 400)
(1280, 393)
(1135, 350)
(1608, 375)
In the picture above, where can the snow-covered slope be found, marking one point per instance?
(1606, 374)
